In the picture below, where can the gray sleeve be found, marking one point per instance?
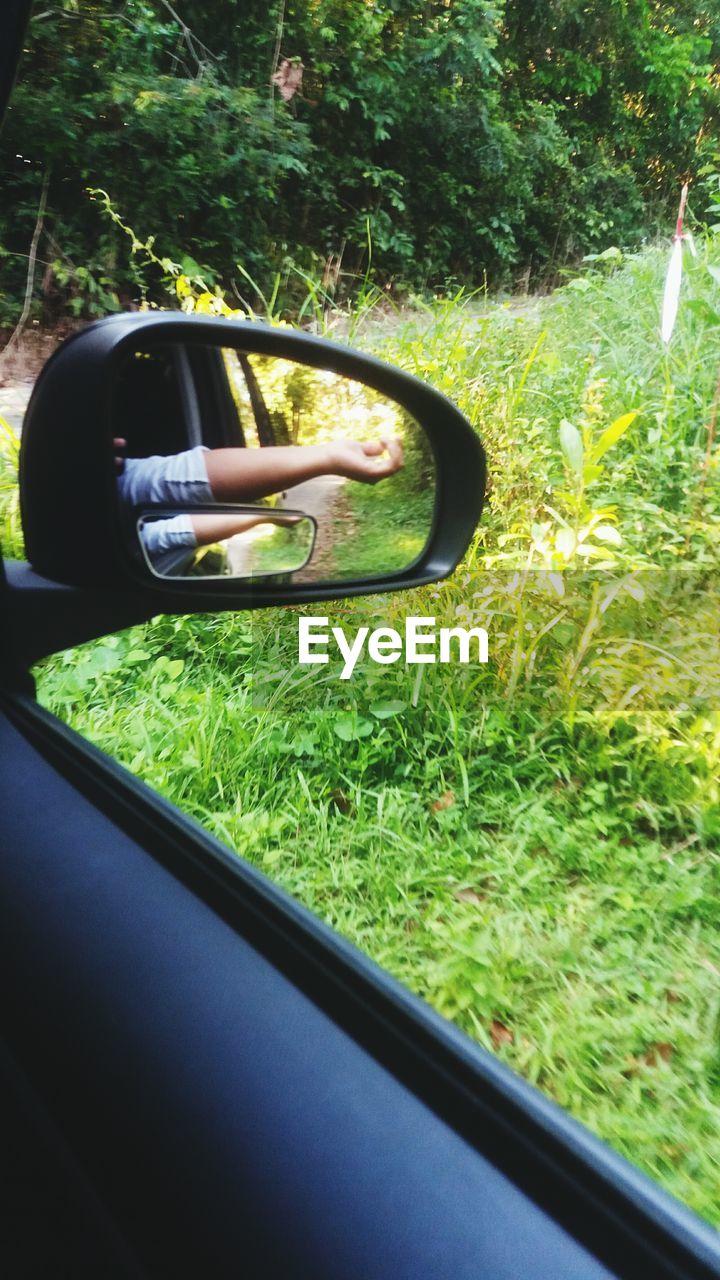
(166, 535)
(180, 478)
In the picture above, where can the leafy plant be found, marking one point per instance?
(467, 140)
(533, 845)
(583, 527)
(11, 537)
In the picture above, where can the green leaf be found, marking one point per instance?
(189, 266)
(572, 446)
(607, 533)
(612, 434)
(700, 307)
(634, 589)
(173, 669)
(589, 552)
(565, 542)
(102, 660)
(351, 728)
(715, 273)
(383, 710)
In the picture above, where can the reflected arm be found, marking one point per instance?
(242, 475)
(214, 528)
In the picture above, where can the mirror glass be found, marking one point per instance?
(198, 426)
(223, 541)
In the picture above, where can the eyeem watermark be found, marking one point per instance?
(420, 643)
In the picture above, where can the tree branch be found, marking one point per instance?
(192, 42)
(30, 283)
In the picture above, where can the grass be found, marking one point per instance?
(533, 846)
(10, 526)
(389, 530)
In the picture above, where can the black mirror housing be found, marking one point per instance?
(68, 488)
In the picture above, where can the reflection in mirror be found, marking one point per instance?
(225, 542)
(249, 428)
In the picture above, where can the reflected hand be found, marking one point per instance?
(367, 461)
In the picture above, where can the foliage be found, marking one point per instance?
(129, 108)
(465, 140)
(11, 537)
(534, 846)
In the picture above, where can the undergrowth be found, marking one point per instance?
(533, 845)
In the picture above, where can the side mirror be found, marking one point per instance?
(230, 464)
(223, 541)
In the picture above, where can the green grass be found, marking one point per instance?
(533, 846)
(389, 530)
(11, 538)
(282, 550)
(552, 889)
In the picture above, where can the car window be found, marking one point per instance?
(530, 842)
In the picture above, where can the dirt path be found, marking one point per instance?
(20, 367)
(314, 497)
(321, 498)
(14, 397)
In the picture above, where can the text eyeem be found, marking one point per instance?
(421, 643)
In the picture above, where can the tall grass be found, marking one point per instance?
(11, 538)
(533, 845)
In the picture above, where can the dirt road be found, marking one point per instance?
(13, 402)
(323, 499)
